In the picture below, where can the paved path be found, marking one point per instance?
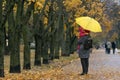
(102, 66)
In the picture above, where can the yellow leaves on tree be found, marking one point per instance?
(71, 4)
(96, 10)
(107, 24)
(80, 11)
(114, 37)
(38, 6)
(76, 32)
(31, 0)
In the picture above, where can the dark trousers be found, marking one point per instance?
(108, 50)
(113, 50)
(85, 64)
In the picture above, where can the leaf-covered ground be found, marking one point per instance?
(102, 67)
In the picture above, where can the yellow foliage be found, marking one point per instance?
(114, 37)
(76, 30)
(65, 28)
(96, 10)
(80, 11)
(31, 0)
(45, 20)
(38, 5)
(70, 4)
(15, 8)
(107, 23)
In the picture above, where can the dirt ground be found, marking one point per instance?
(102, 66)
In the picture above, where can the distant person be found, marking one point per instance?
(97, 46)
(108, 47)
(113, 46)
(84, 54)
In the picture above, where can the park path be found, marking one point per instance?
(102, 66)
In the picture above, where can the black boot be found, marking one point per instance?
(82, 74)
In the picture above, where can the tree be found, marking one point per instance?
(15, 51)
(112, 10)
(58, 28)
(1, 42)
(51, 17)
(39, 32)
(26, 35)
(3, 16)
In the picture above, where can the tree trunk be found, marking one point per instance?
(67, 46)
(10, 31)
(52, 49)
(50, 19)
(62, 36)
(57, 46)
(72, 38)
(26, 37)
(1, 43)
(38, 37)
(1, 51)
(73, 44)
(15, 53)
(45, 50)
(11, 23)
(6, 52)
(38, 22)
(38, 55)
(67, 41)
(59, 28)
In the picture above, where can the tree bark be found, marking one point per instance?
(15, 53)
(50, 19)
(59, 29)
(38, 44)
(38, 31)
(26, 36)
(45, 42)
(27, 62)
(1, 43)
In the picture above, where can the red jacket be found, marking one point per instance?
(82, 32)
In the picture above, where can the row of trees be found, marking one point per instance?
(50, 23)
(113, 11)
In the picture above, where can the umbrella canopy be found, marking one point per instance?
(89, 23)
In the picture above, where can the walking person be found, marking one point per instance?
(84, 54)
(108, 47)
(113, 46)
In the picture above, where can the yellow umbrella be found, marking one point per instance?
(89, 23)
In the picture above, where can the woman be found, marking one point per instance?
(84, 54)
